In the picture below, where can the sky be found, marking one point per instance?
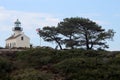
(35, 14)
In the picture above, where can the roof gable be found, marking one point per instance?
(13, 37)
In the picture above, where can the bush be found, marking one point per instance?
(70, 65)
(5, 68)
(80, 68)
(34, 58)
(61, 55)
(30, 74)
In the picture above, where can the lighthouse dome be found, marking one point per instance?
(17, 27)
(17, 22)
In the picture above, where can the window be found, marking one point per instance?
(21, 38)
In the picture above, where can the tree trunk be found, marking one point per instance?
(71, 42)
(87, 41)
(59, 45)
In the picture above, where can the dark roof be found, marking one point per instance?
(13, 37)
(17, 22)
(17, 28)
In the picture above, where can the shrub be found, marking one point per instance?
(5, 68)
(30, 74)
(80, 68)
(34, 58)
(70, 65)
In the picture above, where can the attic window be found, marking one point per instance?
(21, 38)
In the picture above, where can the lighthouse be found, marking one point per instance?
(17, 29)
(18, 39)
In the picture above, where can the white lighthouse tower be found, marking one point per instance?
(18, 39)
(17, 29)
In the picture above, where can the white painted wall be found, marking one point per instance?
(11, 43)
(17, 33)
(17, 42)
(23, 43)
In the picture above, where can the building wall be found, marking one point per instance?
(17, 33)
(21, 41)
(11, 43)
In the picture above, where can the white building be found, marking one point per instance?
(18, 39)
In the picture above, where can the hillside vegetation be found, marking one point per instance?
(50, 64)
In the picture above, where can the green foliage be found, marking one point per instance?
(72, 64)
(51, 34)
(30, 74)
(76, 32)
(84, 32)
(5, 68)
(58, 56)
(87, 69)
(34, 58)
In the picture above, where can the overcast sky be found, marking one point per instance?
(39, 13)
